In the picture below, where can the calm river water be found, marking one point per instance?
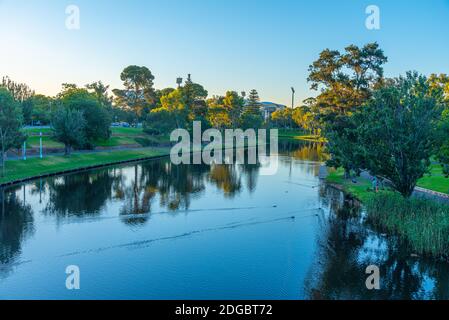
(156, 231)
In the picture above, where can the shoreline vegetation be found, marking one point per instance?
(395, 128)
(33, 168)
(19, 170)
(422, 223)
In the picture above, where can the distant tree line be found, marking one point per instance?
(390, 127)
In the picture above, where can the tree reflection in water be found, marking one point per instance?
(16, 225)
(347, 246)
(81, 194)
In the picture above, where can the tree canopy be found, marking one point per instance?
(10, 125)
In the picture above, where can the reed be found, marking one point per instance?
(423, 223)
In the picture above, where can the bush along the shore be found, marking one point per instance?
(423, 223)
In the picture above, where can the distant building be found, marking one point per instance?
(268, 108)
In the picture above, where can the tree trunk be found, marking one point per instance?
(2, 153)
(67, 150)
(2, 161)
(347, 174)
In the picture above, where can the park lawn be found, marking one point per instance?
(361, 190)
(115, 141)
(299, 135)
(119, 131)
(436, 180)
(36, 131)
(120, 137)
(47, 142)
(34, 167)
(292, 133)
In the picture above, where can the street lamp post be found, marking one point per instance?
(293, 106)
(24, 150)
(293, 98)
(40, 145)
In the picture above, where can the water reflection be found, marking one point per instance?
(16, 226)
(342, 245)
(78, 194)
(346, 247)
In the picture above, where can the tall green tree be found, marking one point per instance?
(217, 114)
(139, 94)
(22, 94)
(253, 104)
(42, 108)
(10, 125)
(101, 92)
(98, 119)
(233, 103)
(252, 117)
(345, 82)
(194, 98)
(68, 126)
(174, 103)
(282, 117)
(439, 85)
(396, 131)
(19, 91)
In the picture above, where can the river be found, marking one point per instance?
(152, 230)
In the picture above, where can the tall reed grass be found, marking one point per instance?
(423, 223)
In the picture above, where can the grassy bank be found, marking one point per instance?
(120, 137)
(434, 180)
(362, 190)
(299, 135)
(423, 223)
(33, 167)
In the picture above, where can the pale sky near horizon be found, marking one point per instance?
(225, 44)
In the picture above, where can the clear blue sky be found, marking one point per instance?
(225, 44)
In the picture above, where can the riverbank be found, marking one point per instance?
(422, 222)
(300, 135)
(18, 171)
(33, 168)
(432, 184)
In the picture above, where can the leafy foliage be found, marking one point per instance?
(68, 127)
(139, 94)
(10, 125)
(98, 120)
(392, 136)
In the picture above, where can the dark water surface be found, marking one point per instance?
(156, 231)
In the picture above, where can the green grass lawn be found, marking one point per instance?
(115, 141)
(33, 131)
(47, 142)
(362, 190)
(435, 180)
(299, 135)
(127, 131)
(120, 137)
(33, 167)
